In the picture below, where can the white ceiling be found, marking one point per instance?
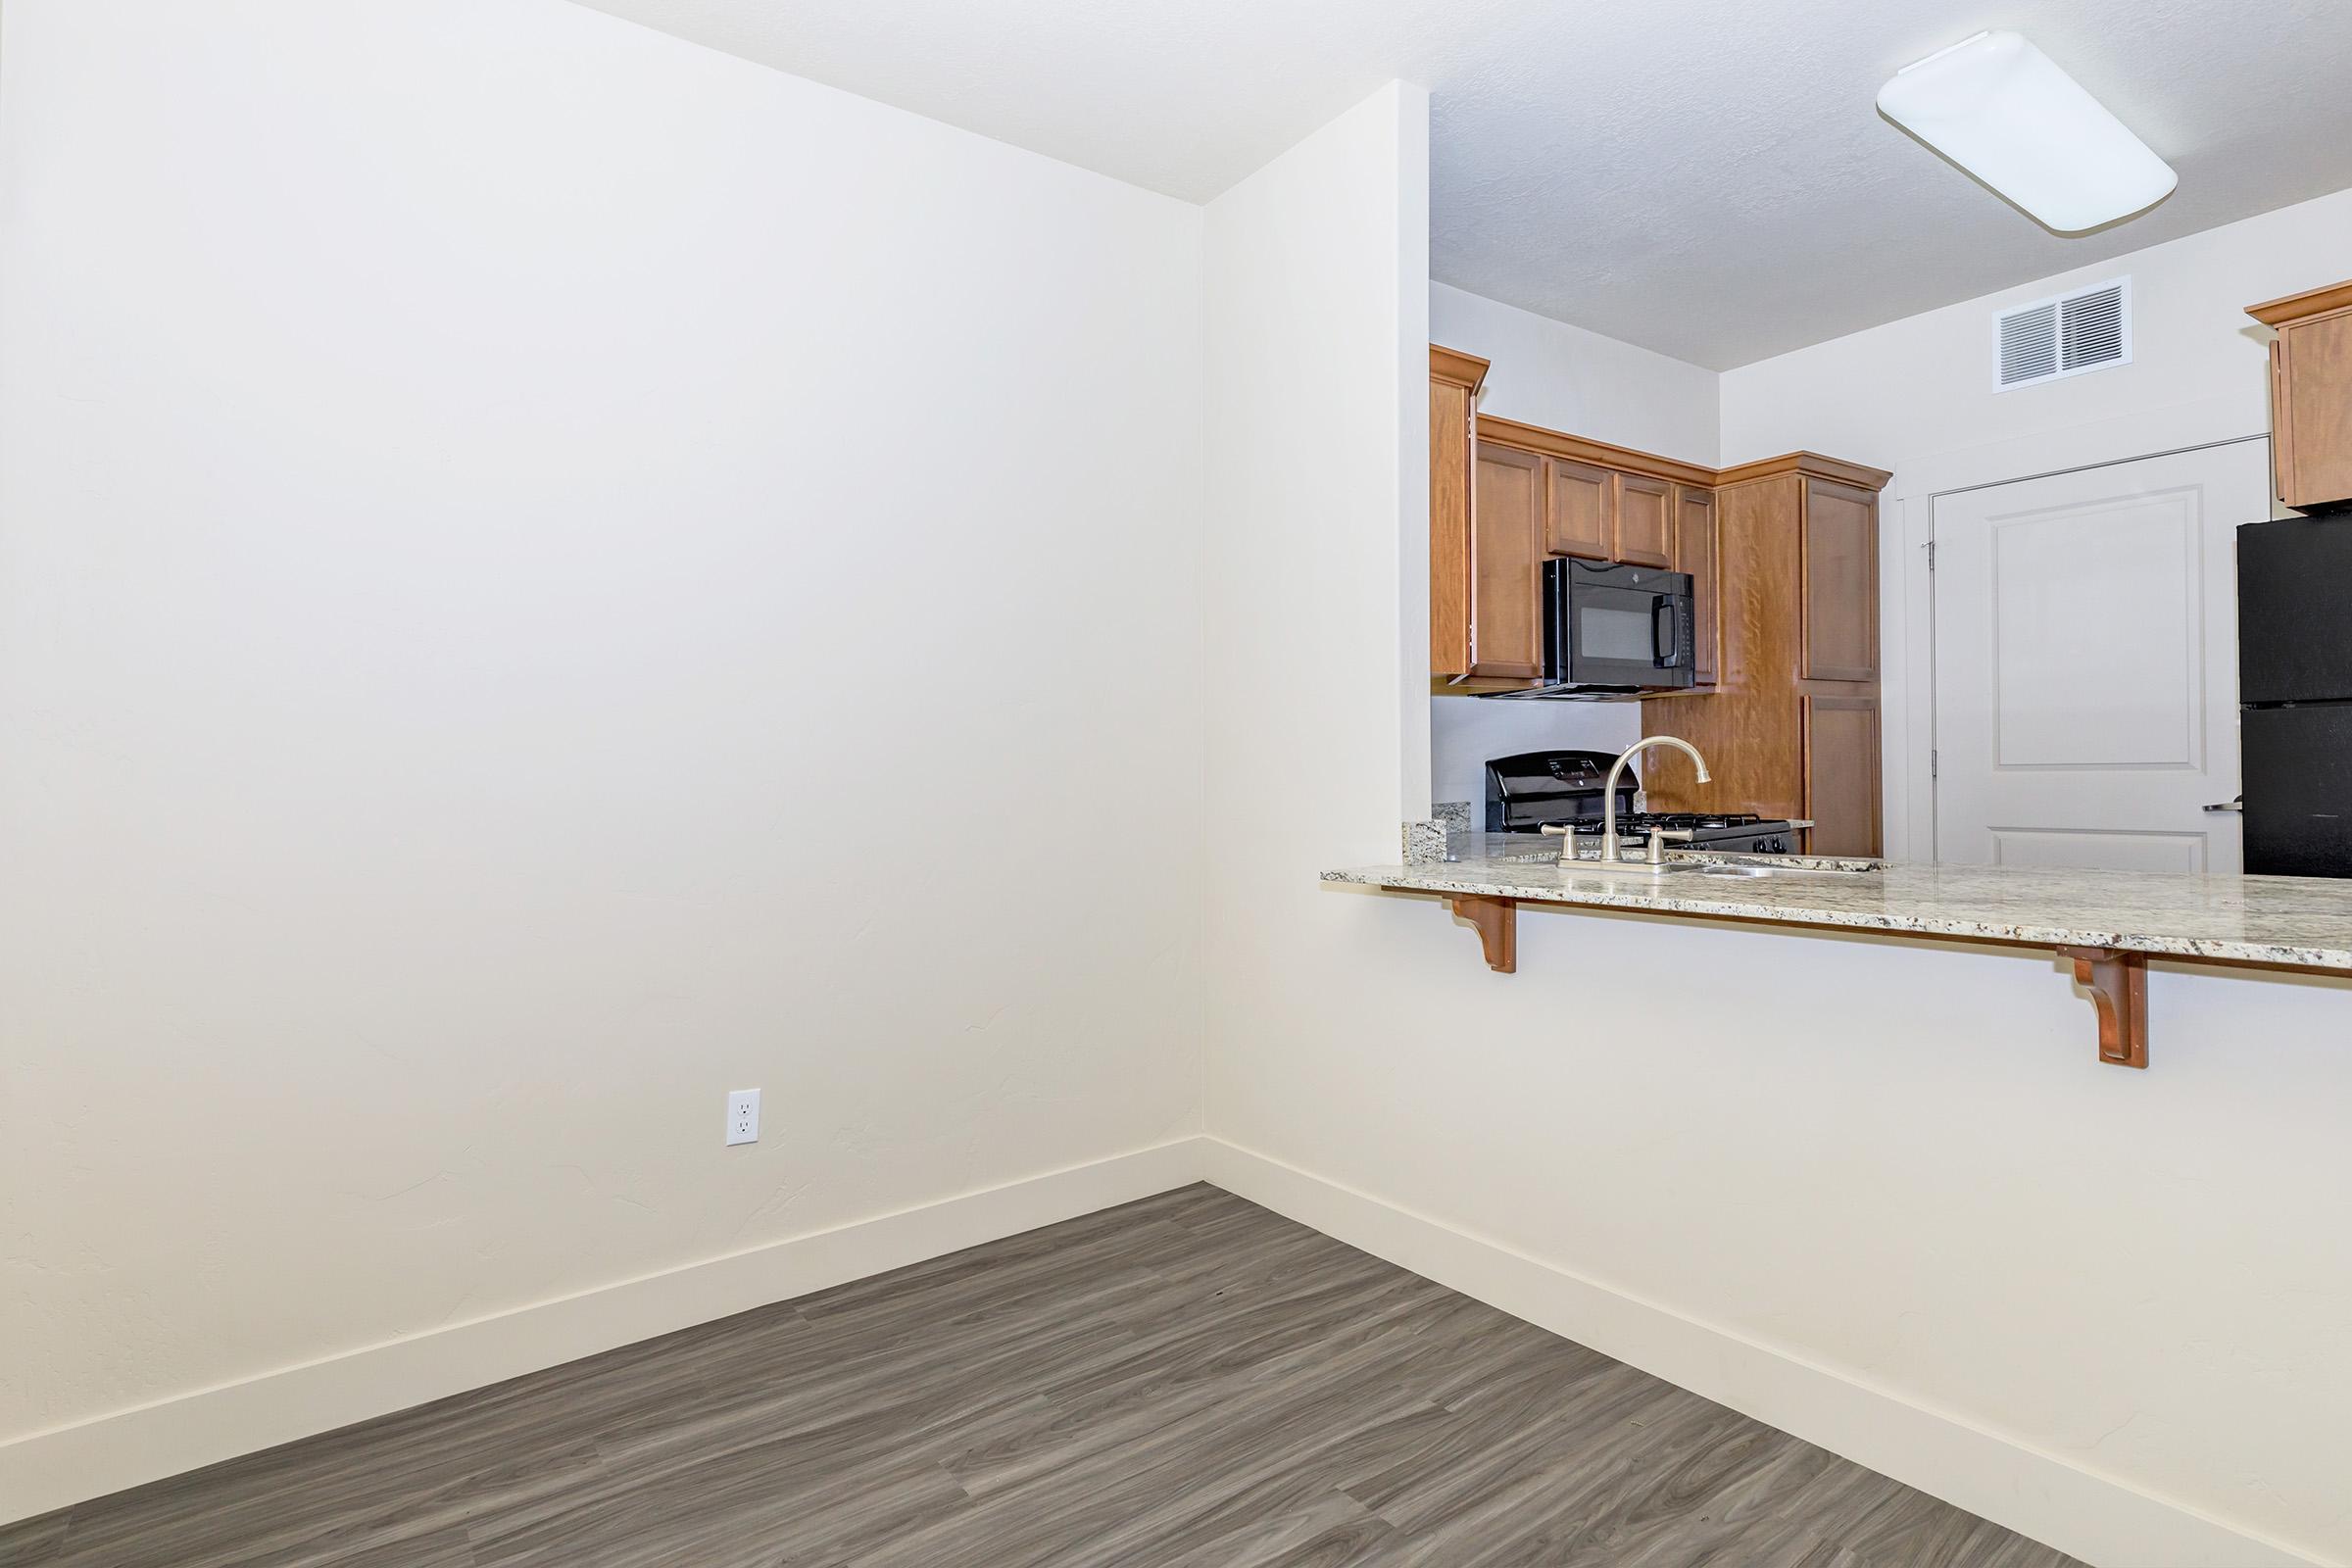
(1704, 178)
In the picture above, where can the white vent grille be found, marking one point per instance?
(2092, 326)
(2030, 345)
(2089, 329)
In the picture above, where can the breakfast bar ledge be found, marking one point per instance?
(2107, 923)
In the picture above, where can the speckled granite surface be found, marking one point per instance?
(1519, 847)
(2260, 919)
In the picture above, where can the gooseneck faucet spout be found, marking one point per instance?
(1608, 798)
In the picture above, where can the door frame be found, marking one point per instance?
(1913, 807)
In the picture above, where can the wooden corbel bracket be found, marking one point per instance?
(2116, 978)
(2119, 988)
(1497, 922)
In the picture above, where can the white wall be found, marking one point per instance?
(1916, 396)
(1562, 378)
(1880, 1194)
(1317, 297)
(546, 574)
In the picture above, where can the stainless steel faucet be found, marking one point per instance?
(1608, 798)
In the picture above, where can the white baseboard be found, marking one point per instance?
(70, 1464)
(2093, 1517)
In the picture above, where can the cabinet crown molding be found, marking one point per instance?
(1582, 449)
(1813, 465)
(2295, 308)
(1456, 368)
(1498, 431)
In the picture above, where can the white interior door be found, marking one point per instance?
(2086, 663)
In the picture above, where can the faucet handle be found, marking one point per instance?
(1570, 842)
(1654, 851)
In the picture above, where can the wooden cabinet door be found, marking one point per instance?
(1842, 775)
(1451, 529)
(1841, 598)
(1506, 622)
(2313, 419)
(1644, 521)
(2283, 433)
(1695, 553)
(1584, 509)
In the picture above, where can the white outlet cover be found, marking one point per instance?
(743, 1115)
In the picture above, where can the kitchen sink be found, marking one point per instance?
(1689, 866)
(1777, 871)
(1796, 866)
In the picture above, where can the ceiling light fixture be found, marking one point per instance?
(2003, 111)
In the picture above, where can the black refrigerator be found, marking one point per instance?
(2294, 688)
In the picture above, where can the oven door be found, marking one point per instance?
(1618, 626)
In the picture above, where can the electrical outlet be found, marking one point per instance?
(743, 1115)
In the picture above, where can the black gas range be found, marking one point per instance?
(1535, 789)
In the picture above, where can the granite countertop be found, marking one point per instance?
(2300, 921)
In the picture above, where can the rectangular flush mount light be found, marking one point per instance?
(2003, 111)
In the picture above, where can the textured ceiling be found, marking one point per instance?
(1704, 178)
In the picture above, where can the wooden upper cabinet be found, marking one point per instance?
(1506, 625)
(2311, 395)
(1644, 521)
(1453, 381)
(1695, 553)
(1583, 520)
(1840, 582)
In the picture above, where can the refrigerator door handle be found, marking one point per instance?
(2237, 805)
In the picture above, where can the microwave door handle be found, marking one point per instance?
(1661, 651)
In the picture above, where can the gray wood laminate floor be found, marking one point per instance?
(1189, 1381)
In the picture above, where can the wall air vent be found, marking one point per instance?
(2089, 329)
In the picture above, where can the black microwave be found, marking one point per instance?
(1611, 629)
